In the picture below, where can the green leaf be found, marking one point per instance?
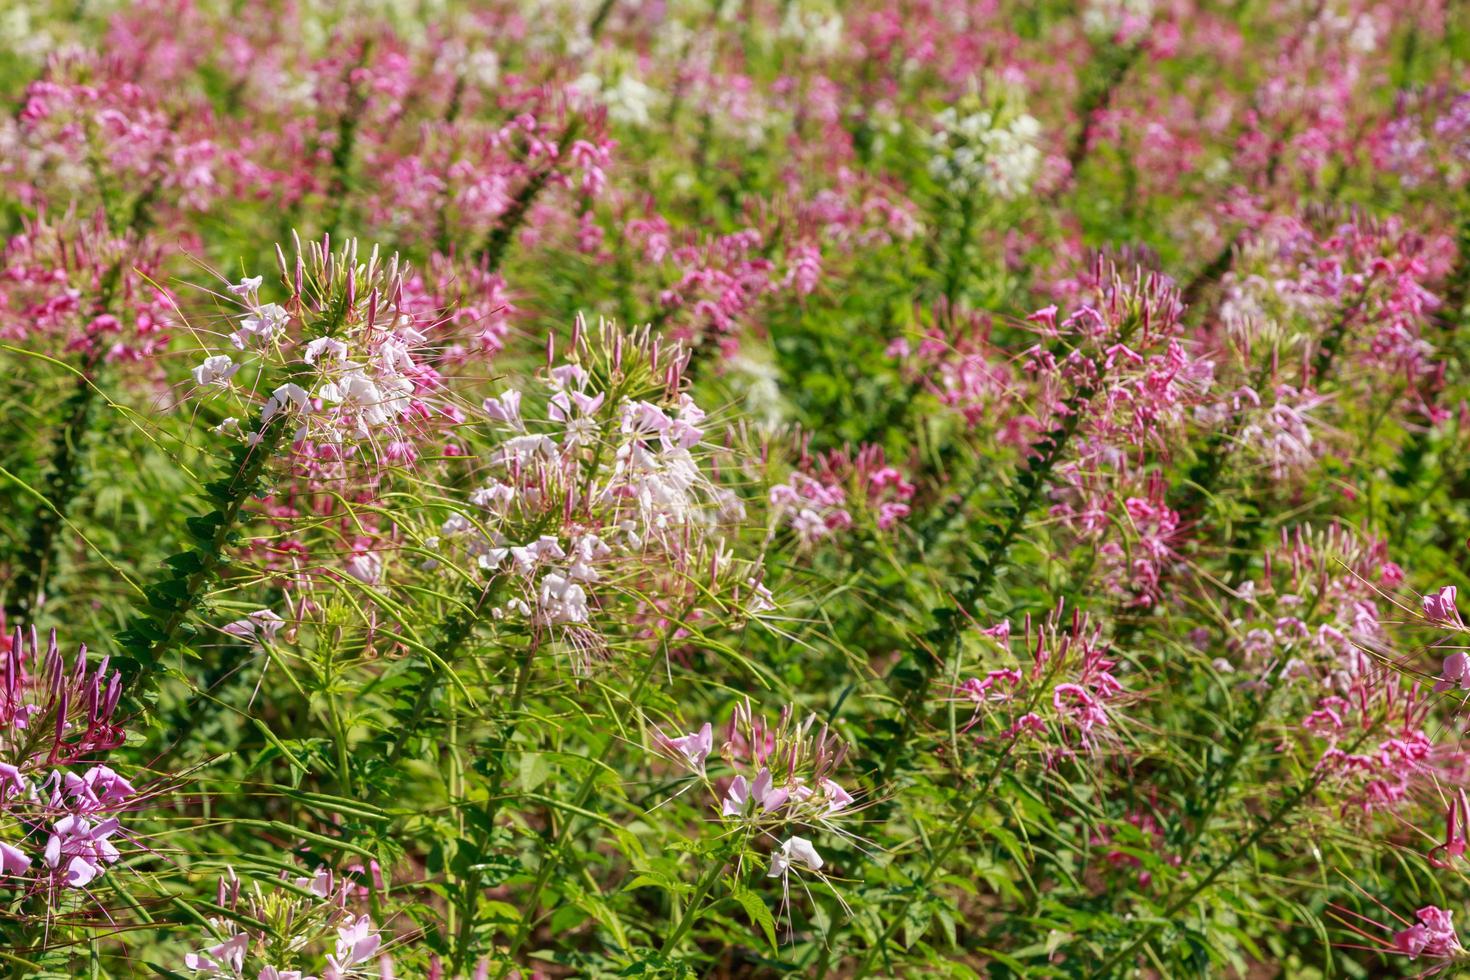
(534, 769)
(759, 914)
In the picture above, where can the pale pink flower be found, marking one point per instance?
(694, 747)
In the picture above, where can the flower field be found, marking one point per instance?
(734, 488)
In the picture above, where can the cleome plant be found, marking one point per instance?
(603, 488)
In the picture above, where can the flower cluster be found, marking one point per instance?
(1068, 689)
(305, 928)
(343, 372)
(600, 490)
(986, 149)
(59, 815)
(782, 783)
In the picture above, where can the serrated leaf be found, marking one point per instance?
(759, 914)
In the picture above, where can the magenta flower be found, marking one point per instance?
(1454, 844)
(1433, 935)
(36, 684)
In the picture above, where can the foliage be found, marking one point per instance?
(609, 488)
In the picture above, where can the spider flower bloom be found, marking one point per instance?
(989, 148)
(795, 852)
(601, 487)
(1071, 674)
(50, 715)
(1433, 935)
(1440, 608)
(1455, 673)
(313, 917)
(783, 775)
(344, 360)
(693, 748)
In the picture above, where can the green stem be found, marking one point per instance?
(471, 886)
(951, 621)
(561, 841)
(1097, 98)
(936, 863)
(594, 28)
(64, 478)
(157, 628)
(694, 908)
(499, 239)
(1280, 813)
(33, 568)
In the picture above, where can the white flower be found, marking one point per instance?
(218, 369)
(291, 394)
(1119, 20)
(247, 287)
(324, 347)
(978, 151)
(562, 600)
(365, 566)
(629, 101)
(817, 28)
(495, 498)
(544, 549)
(761, 600)
(258, 329)
(798, 852)
(523, 450)
(587, 549)
(373, 403)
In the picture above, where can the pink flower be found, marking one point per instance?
(1455, 673)
(228, 955)
(79, 849)
(506, 408)
(1434, 935)
(1440, 608)
(837, 797)
(694, 748)
(12, 860)
(356, 943)
(763, 791)
(260, 626)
